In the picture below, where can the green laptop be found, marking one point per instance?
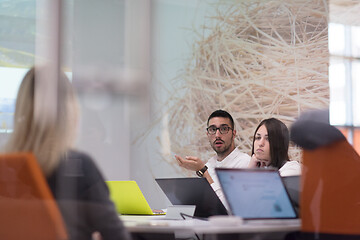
(128, 199)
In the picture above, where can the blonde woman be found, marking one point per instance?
(74, 179)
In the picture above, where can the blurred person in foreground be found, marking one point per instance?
(75, 181)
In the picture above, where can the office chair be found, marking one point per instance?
(27, 207)
(330, 197)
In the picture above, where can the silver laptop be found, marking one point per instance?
(257, 194)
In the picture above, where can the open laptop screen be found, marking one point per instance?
(256, 193)
(193, 191)
(292, 185)
(128, 198)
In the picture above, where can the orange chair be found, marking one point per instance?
(330, 195)
(27, 207)
(330, 198)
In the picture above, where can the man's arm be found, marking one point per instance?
(193, 164)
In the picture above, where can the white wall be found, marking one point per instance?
(172, 40)
(98, 64)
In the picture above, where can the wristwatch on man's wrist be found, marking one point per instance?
(201, 172)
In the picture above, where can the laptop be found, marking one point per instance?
(292, 185)
(193, 191)
(128, 199)
(257, 194)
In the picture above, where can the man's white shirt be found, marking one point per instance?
(236, 159)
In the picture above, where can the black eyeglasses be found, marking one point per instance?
(224, 129)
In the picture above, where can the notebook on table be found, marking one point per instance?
(257, 195)
(193, 191)
(128, 199)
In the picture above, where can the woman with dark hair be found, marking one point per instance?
(270, 148)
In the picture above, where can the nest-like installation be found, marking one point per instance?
(255, 59)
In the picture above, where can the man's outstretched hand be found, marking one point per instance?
(190, 162)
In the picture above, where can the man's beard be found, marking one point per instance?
(224, 150)
(221, 151)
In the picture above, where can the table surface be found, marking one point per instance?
(160, 224)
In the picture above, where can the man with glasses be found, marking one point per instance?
(221, 134)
